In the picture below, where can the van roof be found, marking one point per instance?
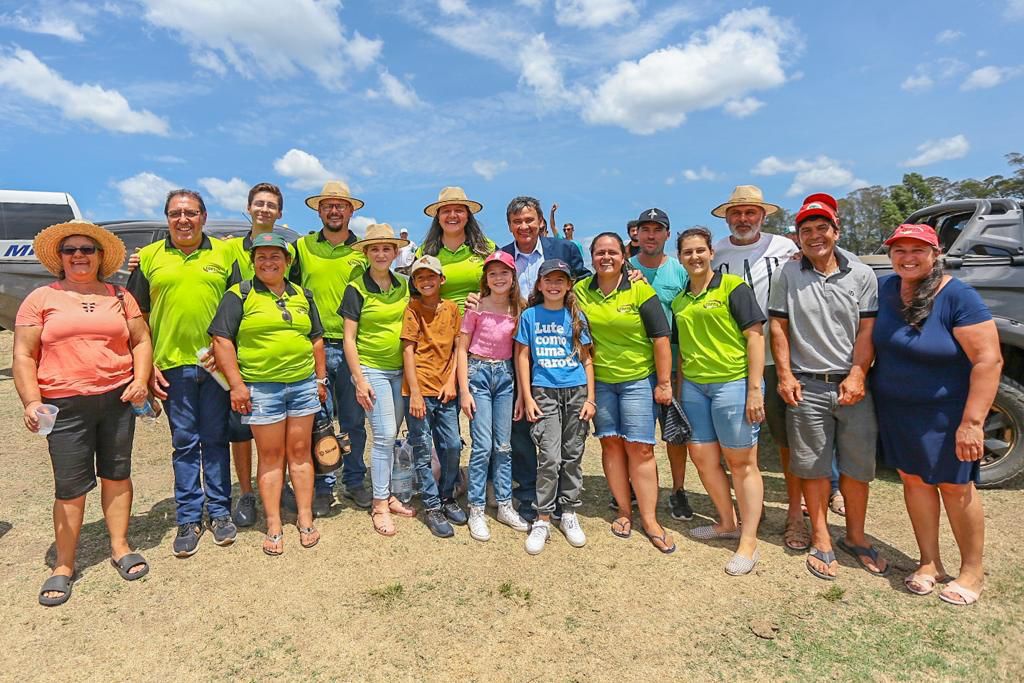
(31, 197)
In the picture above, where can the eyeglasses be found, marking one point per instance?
(187, 213)
(328, 208)
(86, 251)
(286, 315)
(260, 204)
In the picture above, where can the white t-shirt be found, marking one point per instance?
(756, 263)
(406, 255)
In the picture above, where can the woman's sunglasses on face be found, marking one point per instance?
(86, 251)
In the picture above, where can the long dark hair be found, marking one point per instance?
(921, 301)
(575, 314)
(474, 236)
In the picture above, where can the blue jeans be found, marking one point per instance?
(438, 428)
(626, 409)
(490, 384)
(718, 412)
(351, 418)
(524, 463)
(385, 419)
(197, 411)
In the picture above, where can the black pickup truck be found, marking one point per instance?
(983, 245)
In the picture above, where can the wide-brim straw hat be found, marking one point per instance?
(745, 195)
(47, 242)
(452, 195)
(379, 233)
(334, 189)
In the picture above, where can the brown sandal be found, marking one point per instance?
(796, 536)
(399, 508)
(305, 533)
(383, 529)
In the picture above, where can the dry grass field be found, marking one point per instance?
(363, 607)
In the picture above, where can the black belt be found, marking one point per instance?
(334, 342)
(828, 377)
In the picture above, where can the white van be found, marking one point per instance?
(23, 214)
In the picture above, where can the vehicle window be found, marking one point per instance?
(135, 239)
(949, 228)
(24, 221)
(989, 250)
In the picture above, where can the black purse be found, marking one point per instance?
(675, 428)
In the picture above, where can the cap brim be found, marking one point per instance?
(719, 211)
(896, 238)
(816, 213)
(432, 209)
(48, 241)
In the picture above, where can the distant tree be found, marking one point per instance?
(1014, 186)
(778, 222)
(904, 199)
(861, 227)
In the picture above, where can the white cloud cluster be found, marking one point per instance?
(928, 74)
(46, 23)
(819, 173)
(593, 13)
(742, 53)
(488, 169)
(990, 77)
(305, 170)
(359, 223)
(944, 149)
(948, 36)
(144, 193)
(742, 107)
(21, 71)
(703, 173)
(398, 93)
(1014, 9)
(232, 195)
(453, 6)
(917, 83)
(539, 70)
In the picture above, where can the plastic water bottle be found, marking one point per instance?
(217, 375)
(146, 410)
(402, 471)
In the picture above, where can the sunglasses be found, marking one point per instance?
(86, 251)
(286, 315)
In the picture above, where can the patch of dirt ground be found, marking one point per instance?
(363, 607)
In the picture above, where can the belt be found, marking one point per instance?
(334, 342)
(828, 377)
(473, 356)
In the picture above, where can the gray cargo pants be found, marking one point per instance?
(560, 436)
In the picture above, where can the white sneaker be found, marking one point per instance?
(478, 524)
(538, 537)
(570, 526)
(508, 515)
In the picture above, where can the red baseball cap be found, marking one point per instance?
(922, 233)
(824, 198)
(817, 208)
(503, 257)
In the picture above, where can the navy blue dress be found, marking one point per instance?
(920, 381)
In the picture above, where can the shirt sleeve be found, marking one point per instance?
(410, 325)
(653, 316)
(523, 331)
(969, 308)
(295, 273)
(30, 313)
(228, 318)
(138, 285)
(469, 322)
(868, 302)
(351, 304)
(585, 338)
(743, 307)
(316, 328)
(778, 299)
(131, 306)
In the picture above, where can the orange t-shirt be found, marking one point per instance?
(85, 346)
(434, 333)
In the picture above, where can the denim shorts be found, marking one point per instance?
(718, 413)
(626, 409)
(274, 401)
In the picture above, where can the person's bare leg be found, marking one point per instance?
(270, 440)
(707, 458)
(677, 463)
(116, 499)
(749, 494)
(967, 520)
(300, 466)
(67, 525)
(643, 474)
(616, 473)
(855, 493)
(794, 494)
(241, 454)
(922, 502)
(816, 492)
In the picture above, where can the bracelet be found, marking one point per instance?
(591, 402)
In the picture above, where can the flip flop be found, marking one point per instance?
(667, 549)
(864, 551)
(273, 539)
(925, 583)
(625, 525)
(129, 561)
(968, 597)
(308, 531)
(826, 557)
(381, 529)
(56, 583)
(397, 507)
(796, 536)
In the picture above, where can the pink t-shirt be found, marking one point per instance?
(490, 334)
(85, 347)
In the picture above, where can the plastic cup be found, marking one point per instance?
(47, 415)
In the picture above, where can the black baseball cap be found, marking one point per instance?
(554, 264)
(654, 216)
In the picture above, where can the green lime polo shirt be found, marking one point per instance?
(326, 270)
(709, 328)
(622, 325)
(380, 316)
(180, 293)
(270, 348)
(240, 247)
(463, 269)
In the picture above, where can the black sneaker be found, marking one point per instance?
(322, 504)
(245, 510)
(438, 523)
(680, 506)
(224, 530)
(454, 513)
(612, 505)
(186, 543)
(360, 496)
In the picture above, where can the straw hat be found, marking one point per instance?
(452, 195)
(379, 233)
(47, 242)
(334, 189)
(745, 195)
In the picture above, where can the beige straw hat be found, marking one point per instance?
(745, 195)
(452, 195)
(47, 242)
(379, 233)
(334, 189)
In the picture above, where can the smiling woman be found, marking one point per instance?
(458, 241)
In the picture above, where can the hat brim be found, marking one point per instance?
(398, 243)
(432, 209)
(719, 211)
(314, 201)
(47, 242)
(896, 238)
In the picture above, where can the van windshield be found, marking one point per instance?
(22, 221)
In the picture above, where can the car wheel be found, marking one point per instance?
(1004, 436)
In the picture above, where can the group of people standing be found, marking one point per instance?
(533, 347)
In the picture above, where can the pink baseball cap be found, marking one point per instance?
(503, 257)
(920, 232)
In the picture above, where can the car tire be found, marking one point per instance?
(1004, 436)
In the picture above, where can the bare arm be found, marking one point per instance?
(25, 366)
(590, 407)
(981, 344)
(554, 226)
(226, 356)
(142, 361)
(365, 395)
(755, 372)
(788, 387)
(530, 410)
(417, 407)
(851, 390)
(462, 361)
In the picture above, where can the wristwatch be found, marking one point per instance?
(323, 380)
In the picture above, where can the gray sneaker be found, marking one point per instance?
(245, 510)
(360, 495)
(186, 543)
(224, 530)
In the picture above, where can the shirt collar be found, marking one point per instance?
(205, 244)
(320, 237)
(537, 250)
(259, 286)
(841, 261)
(371, 285)
(624, 283)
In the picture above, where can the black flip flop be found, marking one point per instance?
(628, 525)
(827, 557)
(664, 540)
(125, 564)
(859, 551)
(57, 582)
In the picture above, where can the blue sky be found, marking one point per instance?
(607, 107)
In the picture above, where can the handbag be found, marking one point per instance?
(675, 428)
(327, 449)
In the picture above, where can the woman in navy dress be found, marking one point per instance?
(937, 366)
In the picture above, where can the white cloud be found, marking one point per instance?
(593, 13)
(47, 23)
(144, 194)
(167, 159)
(399, 93)
(232, 195)
(1014, 9)
(359, 224)
(948, 36)
(819, 173)
(209, 61)
(531, 4)
(671, 180)
(742, 53)
(703, 173)
(742, 108)
(22, 72)
(488, 169)
(990, 77)
(540, 71)
(362, 50)
(453, 7)
(918, 83)
(944, 149)
(305, 170)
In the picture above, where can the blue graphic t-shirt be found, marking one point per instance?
(549, 335)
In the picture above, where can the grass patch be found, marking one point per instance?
(833, 594)
(520, 596)
(388, 595)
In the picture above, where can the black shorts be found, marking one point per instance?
(238, 432)
(774, 408)
(91, 438)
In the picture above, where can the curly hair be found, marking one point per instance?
(919, 307)
(474, 237)
(575, 314)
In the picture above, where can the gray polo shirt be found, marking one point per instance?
(823, 311)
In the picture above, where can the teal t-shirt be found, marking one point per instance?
(668, 280)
